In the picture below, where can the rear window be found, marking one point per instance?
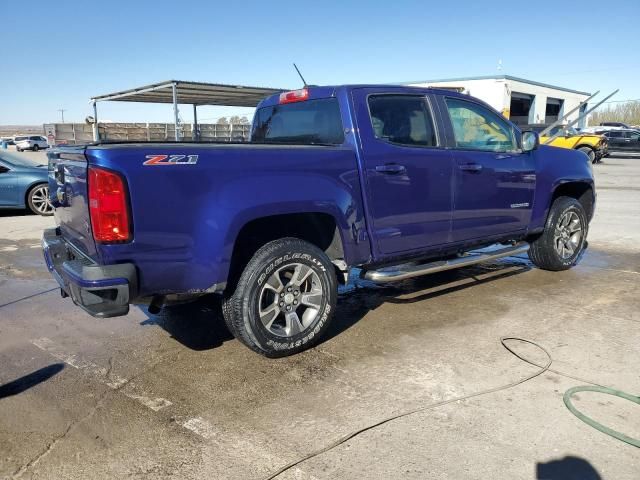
(301, 123)
(17, 139)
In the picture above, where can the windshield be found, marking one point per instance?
(21, 160)
(308, 123)
(563, 130)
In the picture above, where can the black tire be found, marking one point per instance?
(589, 152)
(544, 249)
(36, 148)
(34, 199)
(18, 150)
(241, 306)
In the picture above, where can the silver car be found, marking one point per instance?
(32, 142)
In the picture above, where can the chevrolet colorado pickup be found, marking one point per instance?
(396, 181)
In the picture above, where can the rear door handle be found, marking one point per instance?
(470, 167)
(391, 168)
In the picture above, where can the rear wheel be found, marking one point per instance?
(284, 300)
(38, 200)
(564, 237)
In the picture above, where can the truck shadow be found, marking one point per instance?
(362, 296)
(200, 326)
(197, 325)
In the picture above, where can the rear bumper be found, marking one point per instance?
(101, 290)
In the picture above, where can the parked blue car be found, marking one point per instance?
(23, 184)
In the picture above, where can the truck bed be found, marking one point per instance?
(185, 216)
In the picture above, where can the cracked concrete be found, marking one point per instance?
(236, 415)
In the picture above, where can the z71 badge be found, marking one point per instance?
(171, 160)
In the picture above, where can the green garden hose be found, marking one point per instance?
(598, 426)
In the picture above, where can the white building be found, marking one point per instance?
(522, 101)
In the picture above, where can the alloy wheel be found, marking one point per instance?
(290, 300)
(568, 234)
(40, 200)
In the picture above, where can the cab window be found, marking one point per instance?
(402, 120)
(478, 128)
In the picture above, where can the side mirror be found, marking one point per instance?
(530, 141)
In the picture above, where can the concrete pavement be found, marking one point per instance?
(174, 396)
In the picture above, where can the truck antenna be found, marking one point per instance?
(297, 70)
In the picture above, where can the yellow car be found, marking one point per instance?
(594, 146)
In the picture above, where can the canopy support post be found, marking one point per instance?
(96, 128)
(196, 132)
(175, 111)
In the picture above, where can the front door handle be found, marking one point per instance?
(470, 167)
(391, 168)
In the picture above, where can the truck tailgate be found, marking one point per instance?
(68, 191)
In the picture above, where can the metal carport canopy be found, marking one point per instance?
(194, 93)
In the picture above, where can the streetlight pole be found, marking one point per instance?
(62, 110)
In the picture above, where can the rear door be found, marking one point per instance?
(407, 171)
(494, 182)
(69, 195)
(616, 140)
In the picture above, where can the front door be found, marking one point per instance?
(631, 141)
(494, 180)
(407, 171)
(8, 187)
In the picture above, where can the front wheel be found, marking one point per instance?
(589, 153)
(38, 200)
(564, 237)
(36, 148)
(284, 300)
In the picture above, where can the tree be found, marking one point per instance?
(223, 121)
(237, 120)
(628, 112)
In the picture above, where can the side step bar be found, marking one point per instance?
(404, 271)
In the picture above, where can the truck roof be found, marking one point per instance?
(325, 91)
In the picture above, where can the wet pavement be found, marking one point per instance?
(175, 396)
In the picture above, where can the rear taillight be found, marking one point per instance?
(294, 96)
(108, 206)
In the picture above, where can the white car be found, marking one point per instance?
(33, 142)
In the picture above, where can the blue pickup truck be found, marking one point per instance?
(396, 181)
